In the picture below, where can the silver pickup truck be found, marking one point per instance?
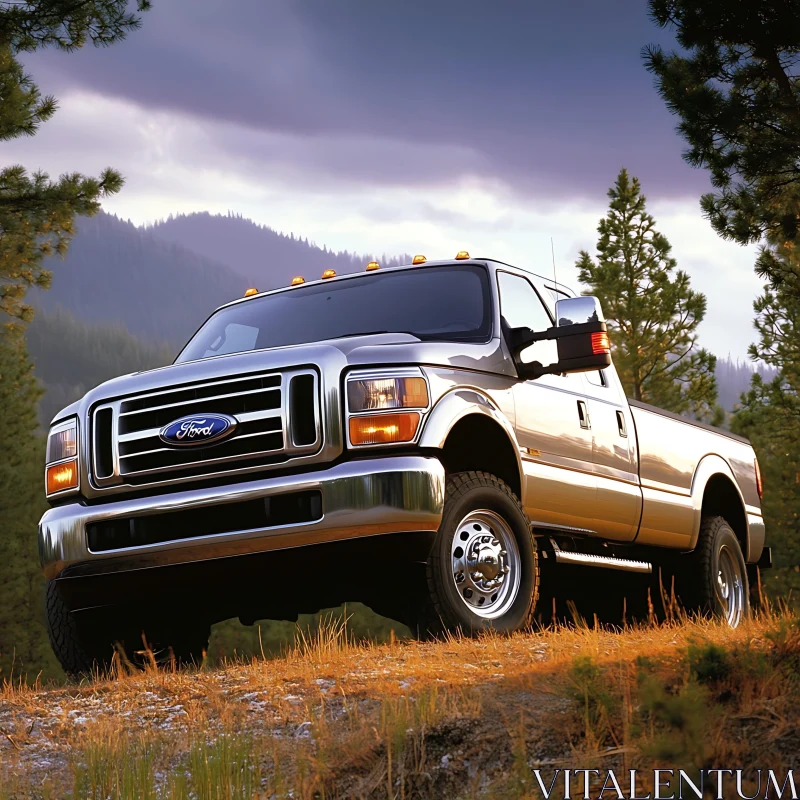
(437, 440)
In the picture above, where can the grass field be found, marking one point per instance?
(463, 717)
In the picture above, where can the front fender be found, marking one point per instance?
(454, 406)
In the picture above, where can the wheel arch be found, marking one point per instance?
(473, 433)
(715, 492)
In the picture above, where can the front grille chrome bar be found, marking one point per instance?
(259, 402)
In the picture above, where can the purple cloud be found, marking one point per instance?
(550, 99)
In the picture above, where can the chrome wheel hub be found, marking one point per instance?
(730, 586)
(486, 564)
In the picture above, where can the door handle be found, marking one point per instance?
(583, 415)
(621, 426)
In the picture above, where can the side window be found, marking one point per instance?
(597, 378)
(520, 306)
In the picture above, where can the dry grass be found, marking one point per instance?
(459, 718)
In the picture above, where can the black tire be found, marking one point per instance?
(85, 644)
(716, 568)
(447, 609)
(66, 639)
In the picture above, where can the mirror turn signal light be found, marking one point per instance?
(250, 292)
(372, 266)
(600, 343)
(384, 428)
(418, 260)
(329, 273)
(62, 476)
(461, 255)
(297, 280)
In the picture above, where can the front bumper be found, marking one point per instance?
(359, 498)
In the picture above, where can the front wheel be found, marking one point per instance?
(483, 572)
(718, 584)
(85, 645)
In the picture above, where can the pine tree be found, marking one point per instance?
(36, 220)
(735, 88)
(651, 311)
(36, 214)
(23, 639)
(770, 412)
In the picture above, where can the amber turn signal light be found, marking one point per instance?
(759, 484)
(250, 292)
(62, 476)
(384, 428)
(600, 343)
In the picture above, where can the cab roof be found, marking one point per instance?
(450, 262)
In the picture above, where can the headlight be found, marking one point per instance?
(384, 398)
(61, 470)
(378, 394)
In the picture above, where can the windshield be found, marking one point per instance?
(432, 303)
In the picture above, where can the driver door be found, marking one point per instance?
(552, 422)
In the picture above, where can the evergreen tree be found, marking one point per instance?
(770, 412)
(736, 90)
(36, 214)
(36, 220)
(23, 639)
(652, 312)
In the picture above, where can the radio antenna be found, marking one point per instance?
(553, 254)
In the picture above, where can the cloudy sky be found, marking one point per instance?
(393, 127)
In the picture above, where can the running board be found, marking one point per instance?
(605, 562)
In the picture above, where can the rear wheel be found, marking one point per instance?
(483, 572)
(85, 643)
(717, 581)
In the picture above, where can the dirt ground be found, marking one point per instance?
(456, 718)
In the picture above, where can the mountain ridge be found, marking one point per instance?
(262, 255)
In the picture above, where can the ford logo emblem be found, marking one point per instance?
(197, 430)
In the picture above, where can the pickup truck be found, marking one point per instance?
(435, 440)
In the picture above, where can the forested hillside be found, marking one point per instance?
(160, 283)
(733, 378)
(266, 258)
(117, 273)
(71, 357)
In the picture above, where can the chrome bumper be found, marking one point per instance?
(359, 498)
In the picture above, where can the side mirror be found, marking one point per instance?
(580, 334)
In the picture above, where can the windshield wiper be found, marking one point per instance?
(375, 333)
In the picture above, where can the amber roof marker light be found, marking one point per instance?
(418, 260)
(297, 280)
(250, 292)
(461, 255)
(329, 273)
(373, 265)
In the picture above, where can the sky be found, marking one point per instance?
(387, 127)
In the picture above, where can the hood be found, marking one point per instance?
(339, 354)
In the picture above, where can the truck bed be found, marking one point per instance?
(673, 452)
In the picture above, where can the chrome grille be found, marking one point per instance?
(260, 403)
